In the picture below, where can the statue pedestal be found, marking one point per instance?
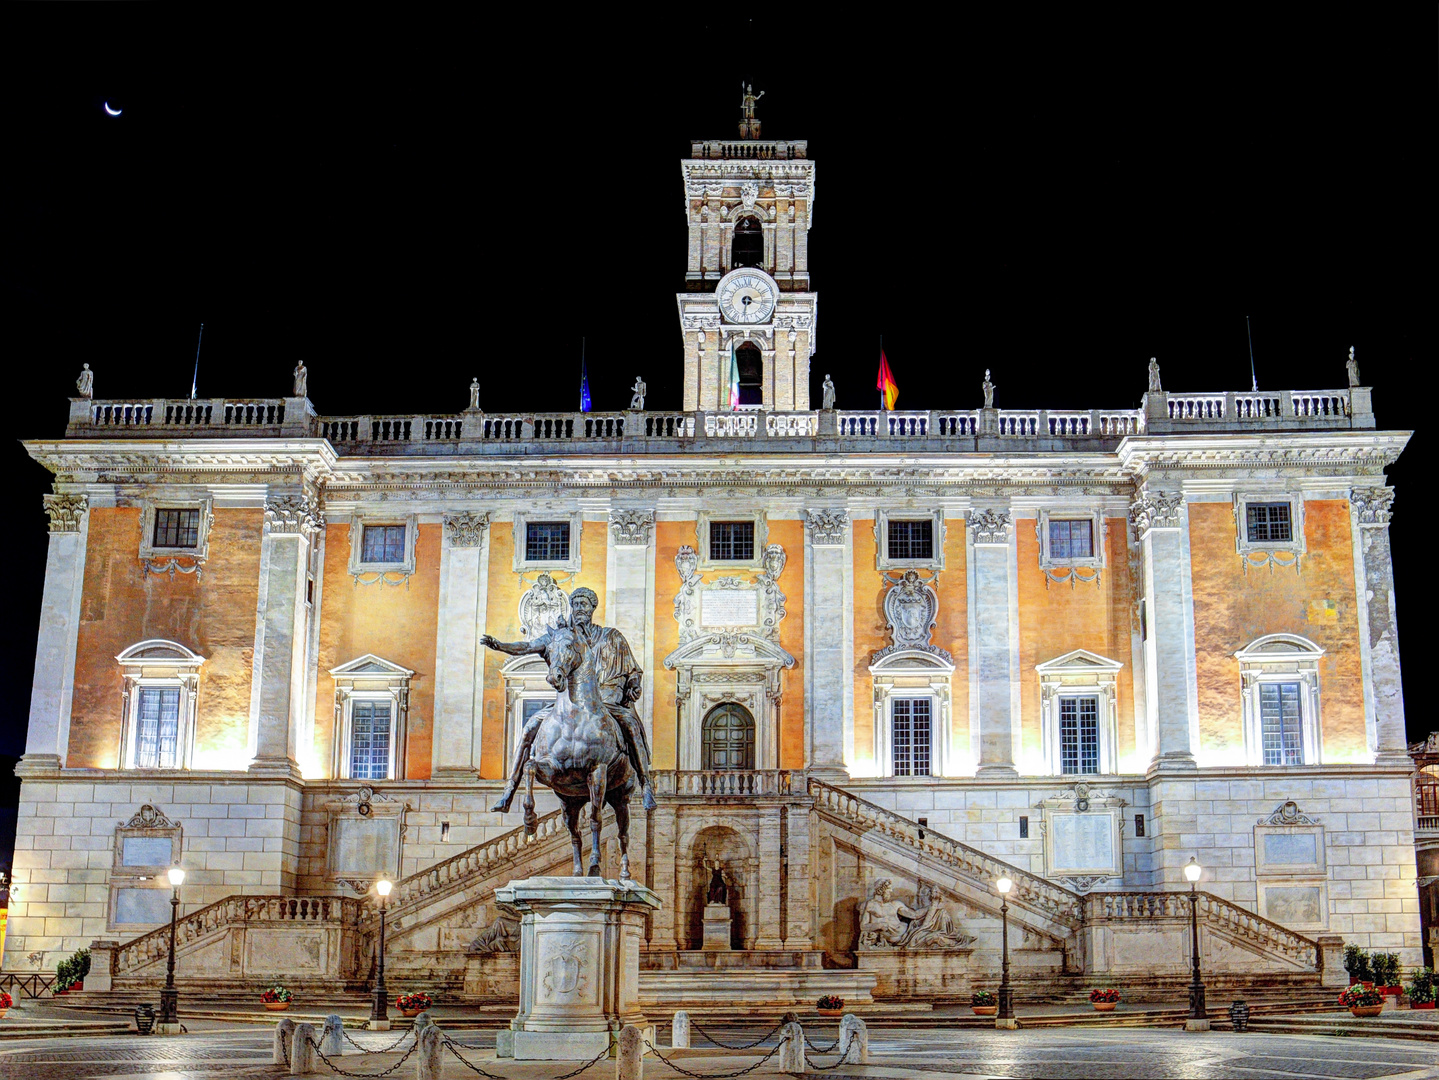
(579, 964)
(717, 928)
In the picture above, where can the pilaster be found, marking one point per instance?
(1379, 632)
(48, 737)
(995, 658)
(459, 660)
(828, 639)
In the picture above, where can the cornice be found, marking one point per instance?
(1140, 454)
(90, 458)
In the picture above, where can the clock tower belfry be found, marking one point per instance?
(747, 305)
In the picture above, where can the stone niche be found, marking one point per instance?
(146, 847)
(734, 852)
(365, 831)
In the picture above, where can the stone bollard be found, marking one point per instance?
(630, 1060)
(430, 1056)
(853, 1040)
(680, 1031)
(284, 1039)
(791, 1049)
(332, 1042)
(423, 1021)
(303, 1061)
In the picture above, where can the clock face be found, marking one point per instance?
(746, 298)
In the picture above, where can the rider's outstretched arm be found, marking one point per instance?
(514, 648)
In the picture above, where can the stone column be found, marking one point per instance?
(48, 737)
(627, 592)
(1380, 630)
(459, 660)
(828, 638)
(995, 650)
(769, 930)
(277, 693)
(1170, 680)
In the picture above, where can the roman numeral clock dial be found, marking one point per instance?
(747, 296)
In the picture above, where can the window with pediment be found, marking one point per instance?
(161, 688)
(372, 707)
(1279, 678)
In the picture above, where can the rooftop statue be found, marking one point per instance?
(988, 391)
(590, 745)
(1353, 367)
(637, 401)
(86, 382)
(828, 402)
(1154, 386)
(302, 380)
(749, 100)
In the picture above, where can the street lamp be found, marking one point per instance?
(380, 1010)
(169, 997)
(1005, 1016)
(1198, 1014)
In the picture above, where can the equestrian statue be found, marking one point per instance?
(590, 745)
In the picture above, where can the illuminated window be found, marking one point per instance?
(910, 735)
(370, 740)
(383, 544)
(1079, 734)
(157, 727)
(161, 679)
(1071, 540)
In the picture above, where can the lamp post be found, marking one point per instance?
(1198, 1014)
(380, 1010)
(169, 997)
(1004, 1018)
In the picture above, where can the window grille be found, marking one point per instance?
(370, 740)
(1071, 540)
(1079, 735)
(547, 541)
(911, 539)
(1268, 522)
(383, 544)
(1279, 722)
(177, 528)
(731, 541)
(157, 732)
(910, 736)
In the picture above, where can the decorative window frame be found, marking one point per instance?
(166, 560)
(524, 678)
(149, 822)
(912, 673)
(1079, 674)
(1271, 553)
(702, 538)
(524, 517)
(882, 561)
(163, 664)
(722, 666)
(385, 573)
(1076, 571)
(1096, 820)
(1281, 658)
(370, 678)
(363, 822)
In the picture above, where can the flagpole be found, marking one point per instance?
(195, 379)
(881, 360)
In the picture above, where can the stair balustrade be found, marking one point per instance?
(1214, 912)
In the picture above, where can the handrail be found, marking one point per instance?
(1213, 909)
(1030, 889)
(229, 911)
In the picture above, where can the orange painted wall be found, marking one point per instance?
(790, 536)
(1233, 606)
(1059, 619)
(395, 622)
(502, 621)
(669, 535)
(213, 614)
(951, 633)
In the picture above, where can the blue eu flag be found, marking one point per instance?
(584, 388)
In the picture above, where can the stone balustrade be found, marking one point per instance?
(727, 782)
(847, 430)
(758, 149)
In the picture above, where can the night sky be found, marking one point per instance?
(408, 204)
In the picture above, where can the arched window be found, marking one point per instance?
(728, 737)
(751, 374)
(748, 246)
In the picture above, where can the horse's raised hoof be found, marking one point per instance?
(503, 806)
(649, 798)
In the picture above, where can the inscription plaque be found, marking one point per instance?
(142, 906)
(146, 851)
(1291, 849)
(1295, 905)
(1083, 843)
(729, 607)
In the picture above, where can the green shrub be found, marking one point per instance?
(1421, 985)
(1351, 960)
(73, 970)
(1386, 969)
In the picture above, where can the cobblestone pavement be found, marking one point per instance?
(1063, 1054)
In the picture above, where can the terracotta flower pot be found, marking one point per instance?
(1367, 1010)
(2, 1013)
(412, 1013)
(1104, 1006)
(1422, 1005)
(277, 1006)
(985, 1010)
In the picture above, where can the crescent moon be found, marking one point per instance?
(112, 112)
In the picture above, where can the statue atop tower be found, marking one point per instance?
(748, 125)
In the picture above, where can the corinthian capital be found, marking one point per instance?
(65, 512)
(827, 527)
(1153, 509)
(989, 526)
(466, 530)
(1371, 506)
(632, 528)
(291, 515)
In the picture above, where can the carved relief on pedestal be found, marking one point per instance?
(886, 922)
(564, 965)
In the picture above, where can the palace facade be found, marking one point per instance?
(930, 648)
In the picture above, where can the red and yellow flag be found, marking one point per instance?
(886, 384)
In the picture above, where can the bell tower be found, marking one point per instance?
(747, 313)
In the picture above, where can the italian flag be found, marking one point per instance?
(886, 385)
(733, 380)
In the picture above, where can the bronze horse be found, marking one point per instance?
(579, 751)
